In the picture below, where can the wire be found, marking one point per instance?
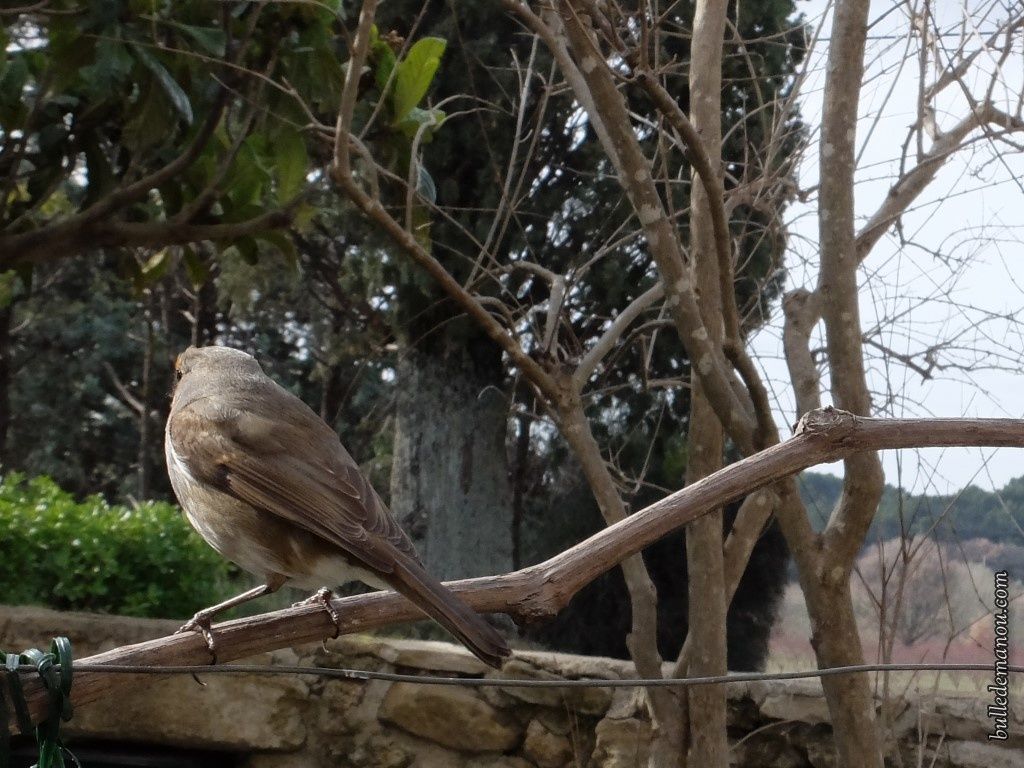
(477, 682)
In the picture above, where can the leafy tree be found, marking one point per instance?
(170, 142)
(86, 169)
(146, 125)
(68, 341)
(587, 241)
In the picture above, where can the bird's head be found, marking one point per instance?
(215, 362)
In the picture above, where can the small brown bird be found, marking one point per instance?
(269, 486)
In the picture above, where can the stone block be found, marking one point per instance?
(450, 716)
(547, 749)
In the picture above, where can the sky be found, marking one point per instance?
(958, 274)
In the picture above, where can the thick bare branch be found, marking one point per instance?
(747, 528)
(708, 603)
(700, 157)
(77, 237)
(542, 590)
(642, 640)
(802, 314)
(827, 592)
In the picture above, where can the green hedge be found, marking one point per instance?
(88, 555)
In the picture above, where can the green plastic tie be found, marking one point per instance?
(55, 670)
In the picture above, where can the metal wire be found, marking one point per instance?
(478, 682)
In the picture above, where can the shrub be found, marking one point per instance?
(89, 555)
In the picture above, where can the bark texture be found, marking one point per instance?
(450, 487)
(827, 588)
(706, 439)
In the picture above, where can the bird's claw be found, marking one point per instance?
(201, 623)
(323, 598)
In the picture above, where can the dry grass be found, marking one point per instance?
(790, 650)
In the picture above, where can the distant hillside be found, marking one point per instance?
(972, 513)
(980, 526)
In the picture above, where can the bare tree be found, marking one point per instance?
(602, 52)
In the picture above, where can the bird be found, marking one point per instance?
(267, 483)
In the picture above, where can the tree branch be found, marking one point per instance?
(76, 237)
(715, 193)
(610, 337)
(350, 92)
(542, 590)
(605, 104)
(826, 588)
(802, 312)
(907, 189)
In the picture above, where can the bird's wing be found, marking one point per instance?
(295, 468)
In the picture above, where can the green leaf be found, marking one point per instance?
(410, 126)
(415, 74)
(100, 174)
(196, 269)
(156, 267)
(326, 76)
(232, 214)
(383, 57)
(170, 86)
(210, 39)
(247, 249)
(25, 272)
(303, 217)
(148, 125)
(282, 242)
(248, 178)
(291, 164)
(110, 68)
(8, 286)
(12, 81)
(385, 63)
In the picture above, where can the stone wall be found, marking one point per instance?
(289, 721)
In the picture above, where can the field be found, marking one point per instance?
(790, 649)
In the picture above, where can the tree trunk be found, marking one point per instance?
(332, 394)
(449, 480)
(826, 588)
(145, 460)
(519, 480)
(836, 641)
(708, 605)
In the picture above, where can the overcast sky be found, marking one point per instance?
(961, 268)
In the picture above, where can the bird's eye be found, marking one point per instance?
(177, 373)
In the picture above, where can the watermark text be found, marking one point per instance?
(999, 710)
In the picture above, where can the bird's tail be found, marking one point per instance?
(444, 607)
